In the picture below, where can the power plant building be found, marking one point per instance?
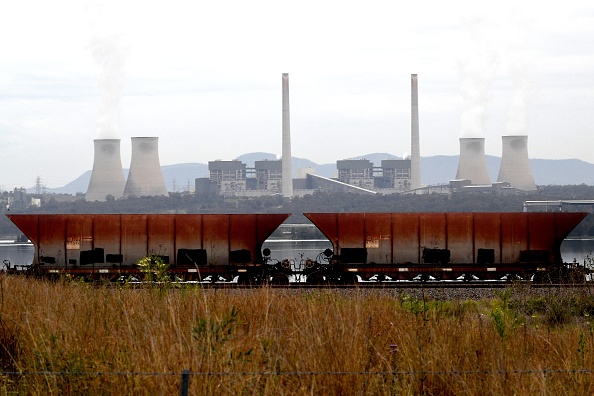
(234, 178)
(396, 174)
(356, 173)
(269, 176)
(228, 176)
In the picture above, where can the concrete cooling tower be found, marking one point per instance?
(515, 165)
(107, 177)
(472, 164)
(145, 177)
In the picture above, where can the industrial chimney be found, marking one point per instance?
(415, 151)
(287, 185)
(515, 165)
(145, 177)
(472, 164)
(107, 177)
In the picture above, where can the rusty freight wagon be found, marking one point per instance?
(442, 246)
(196, 246)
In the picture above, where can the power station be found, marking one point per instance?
(234, 178)
(271, 177)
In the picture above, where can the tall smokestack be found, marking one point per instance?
(286, 160)
(472, 164)
(107, 177)
(415, 151)
(515, 165)
(145, 177)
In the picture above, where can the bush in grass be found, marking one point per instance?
(154, 268)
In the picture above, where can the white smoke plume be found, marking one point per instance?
(110, 55)
(518, 66)
(477, 70)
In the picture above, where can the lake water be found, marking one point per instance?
(295, 250)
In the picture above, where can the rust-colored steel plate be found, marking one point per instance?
(460, 238)
(566, 222)
(188, 229)
(216, 238)
(487, 236)
(52, 238)
(432, 230)
(378, 237)
(514, 236)
(113, 239)
(134, 236)
(542, 234)
(351, 230)
(327, 223)
(161, 235)
(405, 238)
(106, 232)
(239, 238)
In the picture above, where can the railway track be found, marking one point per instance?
(374, 285)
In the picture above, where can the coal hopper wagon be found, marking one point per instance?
(443, 246)
(217, 247)
(365, 246)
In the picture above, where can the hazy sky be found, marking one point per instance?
(205, 77)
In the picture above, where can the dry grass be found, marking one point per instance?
(474, 346)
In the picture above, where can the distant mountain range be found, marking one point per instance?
(439, 169)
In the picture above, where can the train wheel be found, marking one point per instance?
(513, 278)
(255, 280)
(381, 278)
(424, 278)
(468, 278)
(279, 279)
(348, 279)
(316, 279)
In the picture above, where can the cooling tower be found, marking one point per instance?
(472, 164)
(287, 186)
(145, 177)
(415, 151)
(515, 165)
(107, 177)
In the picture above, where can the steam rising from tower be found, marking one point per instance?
(515, 165)
(107, 177)
(415, 156)
(287, 186)
(473, 164)
(145, 177)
